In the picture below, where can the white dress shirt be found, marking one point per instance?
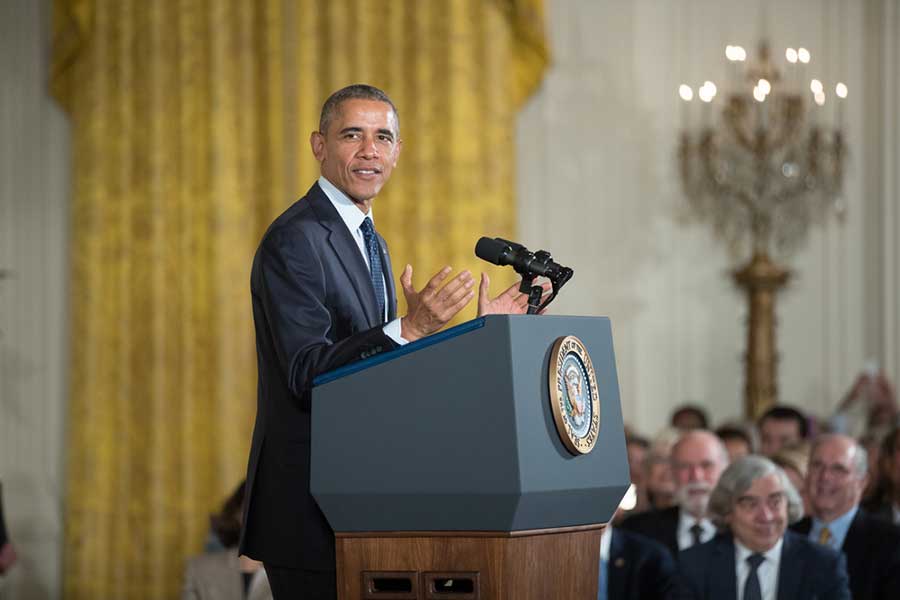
(685, 537)
(353, 218)
(767, 570)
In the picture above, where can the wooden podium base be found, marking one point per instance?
(470, 565)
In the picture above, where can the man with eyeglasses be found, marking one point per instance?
(756, 557)
(835, 482)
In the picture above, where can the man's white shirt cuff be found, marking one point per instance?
(392, 330)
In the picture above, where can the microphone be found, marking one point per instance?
(502, 252)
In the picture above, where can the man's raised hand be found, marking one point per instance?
(509, 302)
(431, 308)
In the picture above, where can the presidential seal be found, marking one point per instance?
(574, 400)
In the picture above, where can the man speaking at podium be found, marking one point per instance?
(323, 296)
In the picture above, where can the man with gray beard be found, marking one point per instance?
(698, 459)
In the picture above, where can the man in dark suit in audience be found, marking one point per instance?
(698, 458)
(757, 558)
(834, 485)
(635, 567)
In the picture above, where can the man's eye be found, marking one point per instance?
(386, 138)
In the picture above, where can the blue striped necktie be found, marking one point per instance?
(376, 272)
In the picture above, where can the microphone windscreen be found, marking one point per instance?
(490, 250)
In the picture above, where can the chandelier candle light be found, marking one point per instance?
(765, 162)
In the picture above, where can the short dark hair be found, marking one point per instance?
(691, 410)
(733, 431)
(357, 91)
(787, 413)
(637, 440)
(226, 525)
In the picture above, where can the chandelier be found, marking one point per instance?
(761, 164)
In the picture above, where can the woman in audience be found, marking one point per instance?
(223, 575)
(794, 460)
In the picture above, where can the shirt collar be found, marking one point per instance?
(838, 527)
(686, 521)
(772, 555)
(605, 541)
(349, 212)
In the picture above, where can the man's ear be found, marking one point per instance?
(397, 152)
(317, 143)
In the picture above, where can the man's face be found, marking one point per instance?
(660, 486)
(832, 483)
(759, 516)
(360, 148)
(736, 448)
(697, 463)
(775, 434)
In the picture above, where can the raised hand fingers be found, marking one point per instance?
(435, 282)
(457, 290)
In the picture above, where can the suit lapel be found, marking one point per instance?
(854, 547)
(671, 515)
(388, 280)
(722, 572)
(790, 569)
(347, 252)
(616, 568)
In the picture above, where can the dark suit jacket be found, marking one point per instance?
(314, 309)
(659, 525)
(807, 570)
(872, 547)
(639, 568)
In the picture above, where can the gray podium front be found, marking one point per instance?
(441, 469)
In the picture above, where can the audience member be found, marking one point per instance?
(756, 557)
(7, 552)
(223, 575)
(689, 416)
(633, 566)
(738, 440)
(637, 448)
(794, 461)
(781, 426)
(870, 404)
(835, 482)
(884, 502)
(698, 458)
(658, 490)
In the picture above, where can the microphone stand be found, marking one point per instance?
(558, 277)
(534, 293)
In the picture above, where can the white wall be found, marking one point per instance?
(598, 186)
(33, 233)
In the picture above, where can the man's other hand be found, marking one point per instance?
(509, 302)
(433, 306)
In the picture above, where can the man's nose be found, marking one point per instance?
(369, 148)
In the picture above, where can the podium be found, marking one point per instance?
(444, 474)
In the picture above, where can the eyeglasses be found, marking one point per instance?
(773, 502)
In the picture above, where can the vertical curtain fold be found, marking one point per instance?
(191, 121)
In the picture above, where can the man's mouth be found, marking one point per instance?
(367, 172)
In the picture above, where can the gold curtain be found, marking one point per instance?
(190, 127)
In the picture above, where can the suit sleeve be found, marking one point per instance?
(292, 291)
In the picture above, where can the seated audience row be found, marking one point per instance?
(739, 531)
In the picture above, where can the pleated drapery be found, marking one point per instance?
(191, 121)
